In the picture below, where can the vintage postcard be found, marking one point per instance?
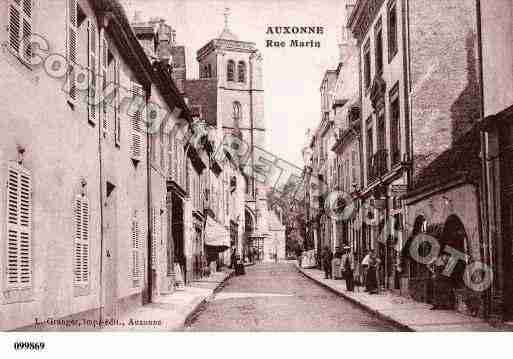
(255, 166)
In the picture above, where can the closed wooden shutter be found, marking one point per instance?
(72, 46)
(155, 236)
(103, 65)
(91, 64)
(117, 120)
(20, 27)
(19, 227)
(137, 258)
(81, 241)
(136, 124)
(162, 150)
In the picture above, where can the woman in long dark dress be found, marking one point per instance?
(372, 274)
(443, 296)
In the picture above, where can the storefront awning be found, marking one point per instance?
(217, 236)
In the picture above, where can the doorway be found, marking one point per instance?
(178, 233)
(506, 179)
(109, 254)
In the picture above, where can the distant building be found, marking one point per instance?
(229, 94)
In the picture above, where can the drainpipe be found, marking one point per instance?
(251, 126)
(487, 246)
(149, 208)
(102, 234)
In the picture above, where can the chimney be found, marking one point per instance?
(347, 42)
(137, 17)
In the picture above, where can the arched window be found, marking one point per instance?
(241, 70)
(230, 71)
(237, 114)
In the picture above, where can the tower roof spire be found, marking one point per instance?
(226, 16)
(226, 34)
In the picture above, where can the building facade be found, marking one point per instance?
(420, 103)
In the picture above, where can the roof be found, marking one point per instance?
(178, 53)
(135, 57)
(226, 34)
(461, 160)
(203, 93)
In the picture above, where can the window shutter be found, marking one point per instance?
(137, 258)
(91, 63)
(117, 120)
(19, 227)
(136, 122)
(81, 241)
(162, 150)
(155, 236)
(103, 64)
(20, 27)
(72, 46)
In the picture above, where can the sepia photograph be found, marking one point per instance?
(227, 167)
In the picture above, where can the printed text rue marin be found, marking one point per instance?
(294, 36)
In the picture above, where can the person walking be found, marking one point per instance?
(348, 268)
(365, 268)
(299, 255)
(443, 297)
(327, 256)
(336, 270)
(233, 258)
(372, 273)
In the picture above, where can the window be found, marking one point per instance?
(72, 45)
(370, 146)
(381, 131)
(91, 64)
(367, 65)
(348, 179)
(106, 126)
(81, 241)
(395, 130)
(19, 224)
(155, 235)
(20, 27)
(162, 150)
(392, 30)
(137, 268)
(117, 103)
(230, 71)
(136, 122)
(355, 164)
(378, 30)
(237, 113)
(241, 70)
(170, 155)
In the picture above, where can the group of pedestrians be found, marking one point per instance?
(345, 264)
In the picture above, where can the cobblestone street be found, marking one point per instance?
(276, 297)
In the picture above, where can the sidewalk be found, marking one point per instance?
(171, 312)
(403, 312)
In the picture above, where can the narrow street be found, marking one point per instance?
(276, 297)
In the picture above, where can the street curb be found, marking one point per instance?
(369, 309)
(198, 306)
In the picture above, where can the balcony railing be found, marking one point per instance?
(378, 165)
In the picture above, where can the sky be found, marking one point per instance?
(292, 76)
